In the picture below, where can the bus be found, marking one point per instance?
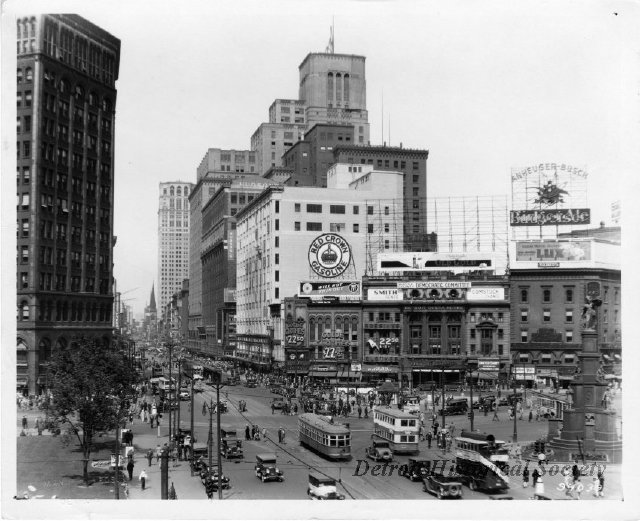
(332, 440)
(550, 407)
(401, 429)
(481, 461)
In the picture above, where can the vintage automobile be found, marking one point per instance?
(213, 472)
(379, 451)
(277, 403)
(322, 487)
(416, 469)
(266, 469)
(232, 449)
(442, 486)
(456, 406)
(185, 395)
(251, 383)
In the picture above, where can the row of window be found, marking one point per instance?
(568, 315)
(63, 311)
(568, 295)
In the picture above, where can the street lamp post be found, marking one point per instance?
(515, 403)
(170, 345)
(218, 384)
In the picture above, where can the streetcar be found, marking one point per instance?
(481, 461)
(332, 440)
(401, 429)
(549, 407)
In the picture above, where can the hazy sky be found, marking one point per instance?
(484, 86)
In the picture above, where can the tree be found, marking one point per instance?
(90, 382)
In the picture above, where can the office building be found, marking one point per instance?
(173, 240)
(67, 69)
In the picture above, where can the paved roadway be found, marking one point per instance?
(296, 461)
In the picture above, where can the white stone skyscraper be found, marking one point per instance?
(173, 240)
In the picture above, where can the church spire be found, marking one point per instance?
(152, 302)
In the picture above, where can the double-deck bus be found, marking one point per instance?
(401, 429)
(549, 407)
(481, 461)
(332, 440)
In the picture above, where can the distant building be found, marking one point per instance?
(67, 69)
(173, 239)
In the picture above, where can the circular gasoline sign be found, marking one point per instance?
(329, 255)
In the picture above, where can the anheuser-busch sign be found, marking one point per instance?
(550, 217)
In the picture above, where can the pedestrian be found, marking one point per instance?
(436, 425)
(158, 453)
(600, 488)
(150, 457)
(429, 438)
(247, 433)
(575, 471)
(24, 422)
(525, 477)
(174, 456)
(172, 492)
(130, 466)
(359, 412)
(264, 433)
(366, 411)
(273, 408)
(449, 442)
(143, 479)
(280, 435)
(530, 416)
(295, 408)
(495, 418)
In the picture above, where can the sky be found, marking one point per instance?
(484, 86)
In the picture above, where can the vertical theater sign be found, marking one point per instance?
(548, 199)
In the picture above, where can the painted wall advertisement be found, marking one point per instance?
(294, 333)
(384, 294)
(553, 251)
(343, 290)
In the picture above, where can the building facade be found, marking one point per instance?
(550, 281)
(173, 240)
(218, 256)
(67, 69)
(292, 234)
(216, 168)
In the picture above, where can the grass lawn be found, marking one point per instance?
(53, 469)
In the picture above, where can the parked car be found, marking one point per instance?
(442, 486)
(185, 395)
(266, 469)
(379, 451)
(322, 487)
(416, 469)
(251, 383)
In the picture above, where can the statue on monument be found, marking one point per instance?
(590, 313)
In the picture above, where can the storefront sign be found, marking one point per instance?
(384, 294)
(294, 332)
(491, 365)
(343, 290)
(329, 255)
(485, 293)
(548, 265)
(550, 217)
(378, 369)
(384, 344)
(356, 368)
(414, 309)
(553, 251)
(432, 261)
(437, 285)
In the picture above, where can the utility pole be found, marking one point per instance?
(116, 480)
(471, 400)
(218, 384)
(170, 345)
(193, 403)
(443, 398)
(515, 403)
(177, 428)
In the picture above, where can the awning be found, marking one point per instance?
(323, 374)
(484, 376)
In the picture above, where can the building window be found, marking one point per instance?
(277, 258)
(277, 276)
(472, 334)
(472, 348)
(356, 210)
(500, 349)
(314, 208)
(472, 318)
(568, 336)
(296, 207)
(524, 315)
(568, 315)
(277, 242)
(524, 295)
(568, 295)
(337, 208)
(546, 295)
(277, 225)
(500, 334)
(336, 227)
(369, 228)
(296, 226)
(277, 293)
(500, 317)
(356, 229)
(314, 227)
(546, 315)
(370, 210)
(524, 336)
(605, 316)
(605, 298)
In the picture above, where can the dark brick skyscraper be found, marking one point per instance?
(66, 98)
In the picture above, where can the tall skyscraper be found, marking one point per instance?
(173, 239)
(66, 98)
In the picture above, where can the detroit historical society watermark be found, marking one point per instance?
(448, 467)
